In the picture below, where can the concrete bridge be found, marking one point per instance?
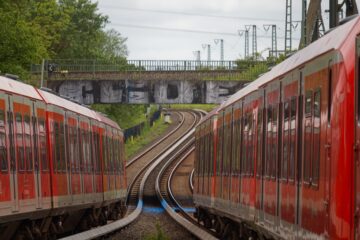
(148, 81)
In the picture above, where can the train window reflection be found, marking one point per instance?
(316, 144)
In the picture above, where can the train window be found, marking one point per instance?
(211, 146)
(10, 121)
(259, 143)
(104, 154)
(252, 144)
(292, 139)
(308, 137)
(330, 93)
(36, 142)
(19, 141)
(316, 138)
(62, 147)
(238, 148)
(3, 149)
(285, 153)
(235, 164)
(97, 155)
(206, 151)
(42, 144)
(274, 146)
(244, 145)
(268, 142)
(227, 148)
(57, 149)
(28, 148)
(219, 148)
(2, 119)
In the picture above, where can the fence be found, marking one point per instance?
(136, 130)
(94, 66)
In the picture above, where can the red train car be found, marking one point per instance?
(55, 157)
(285, 148)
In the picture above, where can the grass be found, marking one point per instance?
(205, 107)
(159, 235)
(125, 115)
(148, 135)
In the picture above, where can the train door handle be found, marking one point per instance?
(326, 204)
(356, 146)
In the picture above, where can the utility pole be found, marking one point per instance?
(334, 13)
(303, 40)
(288, 26)
(208, 47)
(254, 42)
(221, 48)
(247, 40)
(198, 58)
(273, 52)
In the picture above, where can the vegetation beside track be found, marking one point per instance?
(205, 107)
(148, 135)
(127, 116)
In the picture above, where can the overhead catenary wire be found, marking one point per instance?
(190, 13)
(180, 30)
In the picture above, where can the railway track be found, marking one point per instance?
(168, 200)
(140, 171)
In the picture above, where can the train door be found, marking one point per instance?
(13, 162)
(357, 140)
(315, 148)
(36, 152)
(259, 154)
(270, 182)
(235, 162)
(227, 153)
(7, 175)
(24, 152)
(287, 183)
(219, 157)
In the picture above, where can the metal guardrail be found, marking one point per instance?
(94, 66)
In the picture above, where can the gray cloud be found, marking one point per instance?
(156, 44)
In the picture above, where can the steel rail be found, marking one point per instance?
(121, 223)
(197, 231)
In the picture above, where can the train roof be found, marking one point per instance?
(19, 88)
(209, 115)
(334, 40)
(56, 100)
(106, 120)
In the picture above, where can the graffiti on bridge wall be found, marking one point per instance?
(143, 92)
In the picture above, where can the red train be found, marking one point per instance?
(62, 165)
(281, 157)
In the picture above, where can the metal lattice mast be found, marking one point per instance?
(246, 43)
(273, 41)
(221, 47)
(254, 42)
(288, 26)
(334, 13)
(222, 50)
(208, 53)
(303, 41)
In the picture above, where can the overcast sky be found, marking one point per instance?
(197, 22)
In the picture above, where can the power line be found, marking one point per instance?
(190, 14)
(180, 30)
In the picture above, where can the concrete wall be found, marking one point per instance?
(140, 92)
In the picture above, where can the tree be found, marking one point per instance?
(113, 45)
(20, 42)
(80, 38)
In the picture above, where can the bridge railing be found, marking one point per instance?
(64, 65)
